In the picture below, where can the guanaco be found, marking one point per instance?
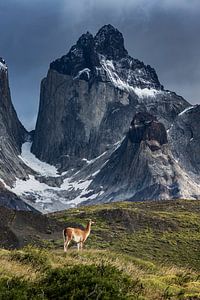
(76, 234)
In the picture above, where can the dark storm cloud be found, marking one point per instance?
(164, 34)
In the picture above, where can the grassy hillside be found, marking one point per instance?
(166, 232)
(135, 251)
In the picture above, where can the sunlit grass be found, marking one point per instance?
(155, 244)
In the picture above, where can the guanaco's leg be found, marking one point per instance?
(78, 245)
(66, 244)
(81, 244)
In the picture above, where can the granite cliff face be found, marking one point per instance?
(90, 96)
(12, 135)
(184, 136)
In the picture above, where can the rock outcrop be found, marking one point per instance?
(12, 134)
(142, 167)
(184, 135)
(89, 97)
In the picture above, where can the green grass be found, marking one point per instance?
(135, 251)
(166, 232)
(92, 274)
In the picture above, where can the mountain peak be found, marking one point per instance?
(108, 28)
(85, 40)
(3, 65)
(109, 41)
(104, 58)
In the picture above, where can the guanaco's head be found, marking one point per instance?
(91, 222)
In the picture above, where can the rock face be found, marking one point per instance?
(185, 139)
(142, 167)
(8, 115)
(89, 97)
(145, 127)
(12, 134)
(12, 201)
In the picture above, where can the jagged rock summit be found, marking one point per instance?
(110, 42)
(90, 96)
(92, 57)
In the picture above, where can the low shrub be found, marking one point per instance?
(88, 282)
(37, 258)
(13, 288)
(79, 282)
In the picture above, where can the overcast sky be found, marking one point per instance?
(162, 33)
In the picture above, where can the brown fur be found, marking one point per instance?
(76, 234)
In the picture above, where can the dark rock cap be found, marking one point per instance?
(145, 127)
(109, 41)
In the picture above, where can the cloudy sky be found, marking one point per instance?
(162, 33)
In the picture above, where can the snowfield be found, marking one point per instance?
(35, 164)
(44, 197)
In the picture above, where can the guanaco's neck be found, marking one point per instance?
(88, 228)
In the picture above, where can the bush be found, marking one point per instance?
(13, 288)
(37, 258)
(77, 283)
(87, 282)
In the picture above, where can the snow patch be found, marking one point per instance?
(141, 93)
(3, 66)
(44, 194)
(34, 163)
(5, 185)
(185, 110)
(30, 185)
(108, 66)
(95, 173)
(86, 70)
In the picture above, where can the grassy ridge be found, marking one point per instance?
(165, 232)
(135, 251)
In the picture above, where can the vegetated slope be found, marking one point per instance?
(162, 231)
(19, 228)
(145, 250)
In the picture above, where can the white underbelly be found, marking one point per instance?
(77, 239)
